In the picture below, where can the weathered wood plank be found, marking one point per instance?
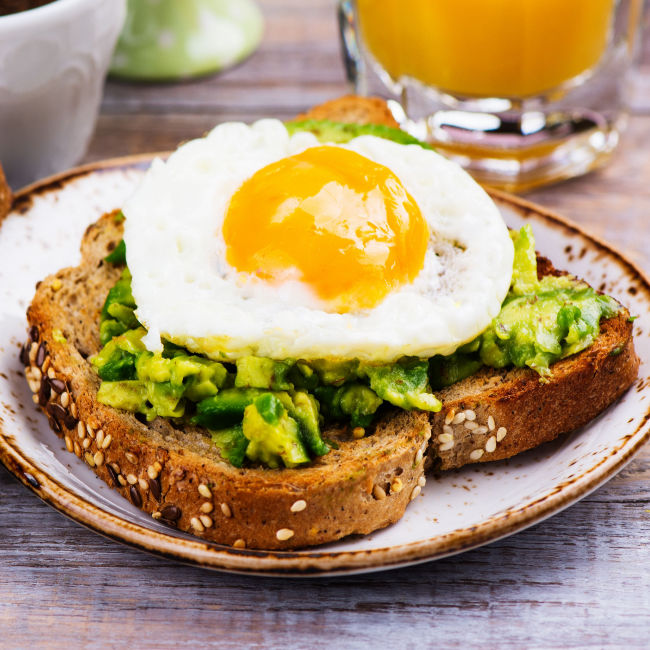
(575, 580)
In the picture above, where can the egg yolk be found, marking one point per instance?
(332, 219)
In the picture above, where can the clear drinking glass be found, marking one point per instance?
(519, 92)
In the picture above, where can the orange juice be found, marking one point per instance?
(486, 48)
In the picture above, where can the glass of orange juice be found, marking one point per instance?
(520, 92)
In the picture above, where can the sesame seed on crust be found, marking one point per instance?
(205, 491)
(206, 520)
(298, 506)
(197, 525)
(284, 534)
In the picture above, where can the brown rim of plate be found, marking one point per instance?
(314, 562)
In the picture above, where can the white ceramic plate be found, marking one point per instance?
(457, 510)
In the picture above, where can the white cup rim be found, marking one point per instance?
(33, 18)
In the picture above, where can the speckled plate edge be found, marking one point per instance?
(315, 563)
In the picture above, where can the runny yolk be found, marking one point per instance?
(332, 219)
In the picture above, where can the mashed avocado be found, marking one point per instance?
(273, 436)
(328, 131)
(236, 402)
(560, 318)
(270, 412)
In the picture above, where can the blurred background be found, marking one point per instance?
(298, 64)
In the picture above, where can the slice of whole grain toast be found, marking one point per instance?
(178, 476)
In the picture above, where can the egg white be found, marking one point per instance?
(187, 293)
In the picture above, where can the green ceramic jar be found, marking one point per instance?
(178, 39)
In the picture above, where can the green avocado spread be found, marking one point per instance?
(271, 412)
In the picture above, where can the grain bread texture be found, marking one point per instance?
(177, 475)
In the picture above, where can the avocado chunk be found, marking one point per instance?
(404, 384)
(302, 376)
(120, 293)
(118, 254)
(142, 397)
(544, 320)
(335, 373)
(524, 269)
(445, 371)
(341, 132)
(109, 329)
(273, 436)
(196, 377)
(226, 408)
(163, 399)
(151, 400)
(353, 401)
(116, 360)
(305, 411)
(232, 444)
(360, 403)
(127, 395)
(259, 372)
(118, 312)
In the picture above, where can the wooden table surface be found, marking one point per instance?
(580, 579)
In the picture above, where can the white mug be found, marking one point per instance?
(53, 62)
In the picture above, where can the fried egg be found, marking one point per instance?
(254, 241)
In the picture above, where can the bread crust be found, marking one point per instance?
(178, 476)
(352, 109)
(6, 197)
